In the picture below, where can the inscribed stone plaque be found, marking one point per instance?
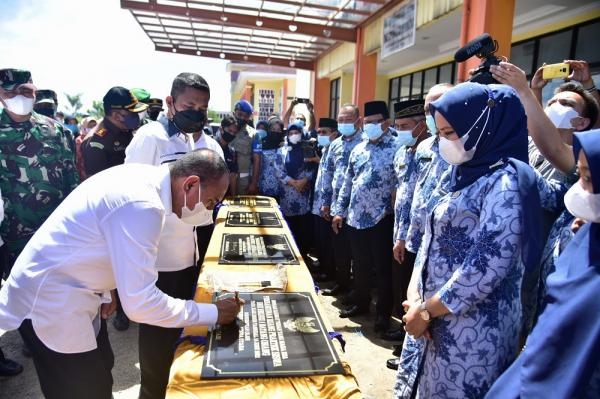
(257, 249)
(252, 219)
(241, 200)
(275, 335)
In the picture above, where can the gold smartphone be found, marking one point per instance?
(555, 71)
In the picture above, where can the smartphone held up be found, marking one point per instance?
(555, 71)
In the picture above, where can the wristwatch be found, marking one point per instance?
(424, 313)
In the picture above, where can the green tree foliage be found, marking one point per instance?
(214, 116)
(97, 110)
(74, 103)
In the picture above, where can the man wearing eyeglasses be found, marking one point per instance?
(366, 199)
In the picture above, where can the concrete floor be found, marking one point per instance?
(365, 352)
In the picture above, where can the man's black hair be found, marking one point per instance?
(188, 79)
(204, 163)
(228, 121)
(590, 109)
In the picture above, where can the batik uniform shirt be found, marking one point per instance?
(471, 258)
(292, 202)
(37, 171)
(429, 169)
(319, 183)
(268, 183)
(366, 193)
(336, 165)
(404, 167)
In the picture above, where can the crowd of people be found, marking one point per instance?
(471, 216)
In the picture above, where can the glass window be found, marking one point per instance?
(429, 78)
(405, 87)
(522, 56)
(334, 105)
(446, 75)
(586, 44)
(395, 88)
(417, 80)
(555, 48)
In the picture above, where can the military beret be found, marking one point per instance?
(377, 107)
(46, 96)
(328, 122)
(244, 106)
(141, 94)
(120, 98)
(155, 103)
(11, 78)
(406, 109)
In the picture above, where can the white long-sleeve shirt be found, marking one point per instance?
(104, 235)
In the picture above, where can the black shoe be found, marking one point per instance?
(397, 350)
(382, 323)
(394, 335)
(121, 322)
(335, 291)
(9, 368)
(393, 363)
(352, 311)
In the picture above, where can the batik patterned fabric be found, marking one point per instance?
(37, 171)
(320, 182)
(268, 184)
(292, 202)
(429, 169)
(336, 165)
(369, 181)
(404, 167)
(472, 259)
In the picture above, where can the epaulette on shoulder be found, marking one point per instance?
(101, 132)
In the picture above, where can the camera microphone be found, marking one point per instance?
(474, 47)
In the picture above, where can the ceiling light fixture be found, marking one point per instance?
(259, 23)
(293, 28)
(222, 55)
(269, 61)
(245, 58)
(174, 50)
(292, 63)
(326, 32)
(198, 52)
(223, 18)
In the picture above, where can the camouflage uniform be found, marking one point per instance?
(37, 171)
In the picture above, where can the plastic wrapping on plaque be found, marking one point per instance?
(274, 279)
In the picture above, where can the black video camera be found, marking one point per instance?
(483, 47)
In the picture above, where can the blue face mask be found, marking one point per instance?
(299, 122)
(405, 138)
(261, 134)
(373, 131)
(346, 129)
(430, 121)
(73, 128)
(323, 141)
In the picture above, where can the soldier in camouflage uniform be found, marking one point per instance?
(37, 166)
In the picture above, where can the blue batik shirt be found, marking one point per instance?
(268, 184)
(366, 193)
(292, 202)
(336, 165)
(404, 167)
(320, 181)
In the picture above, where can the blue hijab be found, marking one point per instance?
(294, 159)
(560, 359)
(495, 119)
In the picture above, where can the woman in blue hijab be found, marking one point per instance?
(560, 358)
(481, 235)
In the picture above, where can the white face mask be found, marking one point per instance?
(561, 115)
(294, 138)
(199, 216)
(405, 138)
(453, 151)
(430, 121)
(346, 129)
(583, 204)
(19, 105)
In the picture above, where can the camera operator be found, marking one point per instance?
(300, 118)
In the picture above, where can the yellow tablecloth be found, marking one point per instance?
(185, 379)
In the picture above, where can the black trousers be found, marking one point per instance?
(323, 243)
(372, 253)
(300, 226)
(401, 273)
(157, 344)
(203, 234)
(342, 255)
(72, 375)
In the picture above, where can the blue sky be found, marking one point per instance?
(88, 46)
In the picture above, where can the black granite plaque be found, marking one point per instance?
(242, 200)
(252, 219)
(257, 249)
(275, 335)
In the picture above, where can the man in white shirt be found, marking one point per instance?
(103, 236)
(156, 143)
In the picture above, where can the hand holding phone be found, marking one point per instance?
(555, 71)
